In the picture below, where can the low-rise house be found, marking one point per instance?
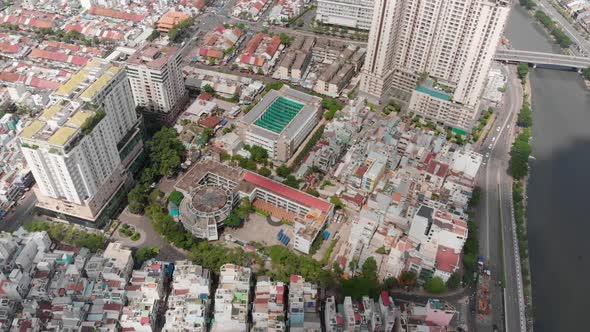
(260, 53)
(190, 299)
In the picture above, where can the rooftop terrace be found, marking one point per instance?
(279, 114)
(90, 80)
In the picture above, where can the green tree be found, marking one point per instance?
(137, 198)
(274, 86)
(154, 35)
(522, 70)
(519, 156)
(313, 192)
(525, 116)
(390, 283)
(258, 153)
(284, 171)
(248, 164)
(435, 286)
(224, 156)
(291, 181)
(144, 253)
(178, 31)
(165, 151)
(176, 197)
(454, 281)
(528, 4)
(233, 221)
(286, 39)
(407, 279)
(338, 204)
(208, 89)
(264, 171)
(586, 73)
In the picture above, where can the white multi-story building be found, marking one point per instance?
(356, 14)
(433, 54)
(189, 301)
(73, 147)
(232, 299)
(156, 81)
(280, 122)
(439, 228)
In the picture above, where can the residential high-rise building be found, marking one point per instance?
(356, 14)
(156, 82)
(79, 148)
(434, 54)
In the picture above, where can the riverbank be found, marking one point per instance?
(556, 187)
(519, 204)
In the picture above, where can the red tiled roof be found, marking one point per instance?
(180, 291)
(205, 96)
(210, 122)
(360, 172)
(440, 171)
(357, 199)
(446, 259)
(287, 192)
(273, 46)
(253, 43)
(107, 12)
(112, 306)
(8, 48)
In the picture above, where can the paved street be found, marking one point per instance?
(19, 214)
(149, 237)
(576, 37)
(494, 212)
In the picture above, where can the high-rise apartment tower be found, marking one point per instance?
(434, 54)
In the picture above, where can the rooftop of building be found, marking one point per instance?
(61, 122)
(429, 87)
(153, 56)
(172, 18)
(282, 112)
(446, 259)
(288, 192)
(89, 80)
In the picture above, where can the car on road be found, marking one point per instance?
(494, 139)
(498, 129)
(490, 146)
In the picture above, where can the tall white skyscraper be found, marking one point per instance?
(156, 81)
(434, 54)
(72, 147)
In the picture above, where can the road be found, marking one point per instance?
(494, 214)
(15, 219)
(576, 37)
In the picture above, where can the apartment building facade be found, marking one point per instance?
(434, 54)
(356, 14)
(73, 146)
(156, 82)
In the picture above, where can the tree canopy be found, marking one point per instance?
(165, 152)
(176, 197)
(283, 171)
(435, 285)
(519, 155)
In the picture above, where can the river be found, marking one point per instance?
(559, 224)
